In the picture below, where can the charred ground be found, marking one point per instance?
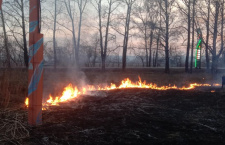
(135, 116)
(130, 116)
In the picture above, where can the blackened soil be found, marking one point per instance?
(136, 116)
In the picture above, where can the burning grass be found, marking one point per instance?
(119, 116)
(70, 93)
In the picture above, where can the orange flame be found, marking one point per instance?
(71, 92)
(26, 102)
(213, 91)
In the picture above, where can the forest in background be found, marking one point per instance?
(116, 33)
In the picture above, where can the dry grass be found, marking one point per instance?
(4, 90)
(13, 90)
(13, 120)
(13, 87)
(13, 127)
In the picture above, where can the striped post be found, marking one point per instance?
(0, 5)
(35, 72)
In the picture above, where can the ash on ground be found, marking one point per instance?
(136, 116)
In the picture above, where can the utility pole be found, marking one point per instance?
(35, 70)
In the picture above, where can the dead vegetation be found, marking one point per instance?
(4, 90)
(136, 116)
(131, 116)
(13, 126)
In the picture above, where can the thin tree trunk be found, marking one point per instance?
(158, 39)
(25, 52)
(74, 44)
(107, 33)
(74, 51)
(156, 54)
(146, 46)
(153, 59)
(150, 49)
(214, 58)
(95, 53)
(207, 37)
(188, 41)
(81, 8)
(126, 36)
(100, 33)
(167, 68)
(193, 35)
(222, 27)
(6, 42)
(54, 40)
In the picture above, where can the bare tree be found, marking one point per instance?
(207, 35)
(214, 56)
(166, 15)
(54, 31)
(193, 34)
(159, 35)
(189, 35)
(129, 4)
(103, 40)
(5, 41)
(81, 6)
(71, 16)
(25, 54)
(16, 10)
(214, 15)
(141, 14)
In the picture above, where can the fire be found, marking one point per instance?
(27, 102)
(213, 91)
(71, 92)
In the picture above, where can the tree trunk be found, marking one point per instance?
(54, 40)
(126, 36)
(207, 38)
(214, 58)
(153, 59)
(188, 41)
(222, 27)
(150, 49)
(6, 42)
(146, 46)
(95, 53)
(74, 51)
(193, 35)
(156, 54)
(167, 68)
(81, 8)
(74, 45)
(25, 52)
(158, 38)
(107, 33)
(100, 33)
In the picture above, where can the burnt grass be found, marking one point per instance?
(136, 116)
(129, 116)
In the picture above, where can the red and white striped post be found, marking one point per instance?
(35, 72)
(0, 5)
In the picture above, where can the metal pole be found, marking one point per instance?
(35, 70)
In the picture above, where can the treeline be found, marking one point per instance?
(89, 32)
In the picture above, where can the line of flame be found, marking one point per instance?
(70, 92)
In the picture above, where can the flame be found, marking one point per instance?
(213, 91)
(71, 92)
(26, 102)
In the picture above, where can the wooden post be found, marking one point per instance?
(35, 70)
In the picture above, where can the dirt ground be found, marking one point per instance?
(130, 116)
